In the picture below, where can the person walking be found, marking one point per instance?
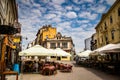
(36, 66)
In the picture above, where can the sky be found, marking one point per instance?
(73, 18)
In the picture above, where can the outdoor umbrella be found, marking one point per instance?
(61, 52)
(114, 48)
(84, 53)
(36, 50)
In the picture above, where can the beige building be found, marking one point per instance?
(48, 37)
(108, 29)
(8, 12)
(63, 42)
(60, 41)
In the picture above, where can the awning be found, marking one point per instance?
(36, 50)
(114, 48)
(84, 53)
(61, 52)
(112, 51)
(7, 29)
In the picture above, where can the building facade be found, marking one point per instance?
(10, 30)
(87, 44)
(108, 29)
(94, 42)
(48, 37)
(60, 41)
(45, 32)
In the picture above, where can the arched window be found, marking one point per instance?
(118, 11)
(111, 20)
(112, 34)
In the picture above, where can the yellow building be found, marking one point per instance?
(44, 33)
(108, 29)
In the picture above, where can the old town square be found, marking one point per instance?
(59, 39)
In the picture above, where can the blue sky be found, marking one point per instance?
(75, 18)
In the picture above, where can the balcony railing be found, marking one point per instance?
(7, 29)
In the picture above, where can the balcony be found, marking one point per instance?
(7, 29)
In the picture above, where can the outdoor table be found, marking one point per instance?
(66, 67)
(48, 69)
(61, 65)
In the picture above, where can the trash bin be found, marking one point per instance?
(16, 68)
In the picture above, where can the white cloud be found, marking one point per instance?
(89, 1)
(63, 27)
(26, 2)
(57, 7)
(36, 12)
(99, 9)
(71, 15)
(58, 1)
(76, 8)
(50, 16)
(34, 18)
(88, 15)
(110, 2)
(83, 21)
(82, 1)
(56, 19)
(78, 1)
(68, 7)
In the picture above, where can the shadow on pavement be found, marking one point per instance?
(103, 75)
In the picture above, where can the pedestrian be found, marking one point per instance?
(36, 66)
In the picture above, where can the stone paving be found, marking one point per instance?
(78, 73)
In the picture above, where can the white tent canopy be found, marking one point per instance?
(36, 50)
(114, 48)
(84, 53)
(61, 52)
(106, 47)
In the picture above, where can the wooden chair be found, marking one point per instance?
(3, 72)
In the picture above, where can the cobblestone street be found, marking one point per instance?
(78, 73)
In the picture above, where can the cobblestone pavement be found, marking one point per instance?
(78, 73)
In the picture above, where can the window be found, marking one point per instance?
(46, 36)
(64, 56)
(106, 39)
(102, 39)
(118, 11)
(58, 45)
(53, 56)
(52, 45)
(105, 25)
(64, 45)
(112, 34)
(111, 20)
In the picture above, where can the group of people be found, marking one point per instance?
(30, 66)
